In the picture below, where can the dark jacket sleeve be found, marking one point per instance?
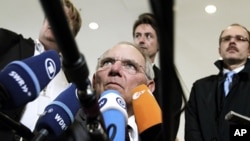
(177, 96)
(14, 46)
(154, 133)
(192, 129)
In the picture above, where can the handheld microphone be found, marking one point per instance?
(21, 81)
(74, 66)
(147, 113)
(237, 118)
(74, 63)
(113, 108)
(58, 115)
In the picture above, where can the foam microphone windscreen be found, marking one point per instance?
(113, 109)
(146, 109)
(60, 114)
(23, 80)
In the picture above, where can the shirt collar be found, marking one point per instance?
(39, 48)
(133, 132)
(235, 70)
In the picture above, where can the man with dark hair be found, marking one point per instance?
(146, 36)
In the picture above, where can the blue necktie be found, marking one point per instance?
(228, 81)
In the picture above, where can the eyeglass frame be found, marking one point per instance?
(124, 63)
(238, 38)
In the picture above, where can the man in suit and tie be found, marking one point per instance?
(213, 97)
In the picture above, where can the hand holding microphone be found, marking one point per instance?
(147, 113)
(22, 81)
(113, 108)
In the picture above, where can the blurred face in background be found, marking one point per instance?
(234, 45)
(46, 36)
(146, 38)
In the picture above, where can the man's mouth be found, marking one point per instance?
(113, 84)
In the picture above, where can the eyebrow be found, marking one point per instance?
(123, 59)
(143, 32)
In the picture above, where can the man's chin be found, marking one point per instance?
(144, 50)
(51, 38)
(234, 60)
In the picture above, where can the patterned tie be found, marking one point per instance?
(228, 82)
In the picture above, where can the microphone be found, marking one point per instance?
(21, 81)
(74, 63)
(147, 113)
(113, 108)
(237, 118)
(74, 66)
(58, 115)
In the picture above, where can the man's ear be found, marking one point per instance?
(151, 85)
(249, 50)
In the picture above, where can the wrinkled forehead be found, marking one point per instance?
(125, 51)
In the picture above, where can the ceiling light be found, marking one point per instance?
(210, 9)
(93, 25)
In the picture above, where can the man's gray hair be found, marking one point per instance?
(149, 72)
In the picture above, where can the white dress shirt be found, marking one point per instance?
(133, 132)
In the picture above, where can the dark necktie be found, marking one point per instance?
(228, 82)
(127, 133)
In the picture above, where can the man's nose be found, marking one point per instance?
(141, 41)
(142, 38)
(232, 39)
(117, 66)
(115, 69)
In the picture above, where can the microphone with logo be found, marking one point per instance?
(113, 109)
(22, 81)
(147, 113)
(58, 115)
(75, 66)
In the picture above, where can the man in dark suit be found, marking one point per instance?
(14, 46)
(209, 103)
(146, 36)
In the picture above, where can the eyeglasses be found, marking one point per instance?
(238, 38)
(129, 66)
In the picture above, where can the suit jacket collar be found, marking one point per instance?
(220, 64)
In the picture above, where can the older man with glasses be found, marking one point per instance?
(122, 68)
